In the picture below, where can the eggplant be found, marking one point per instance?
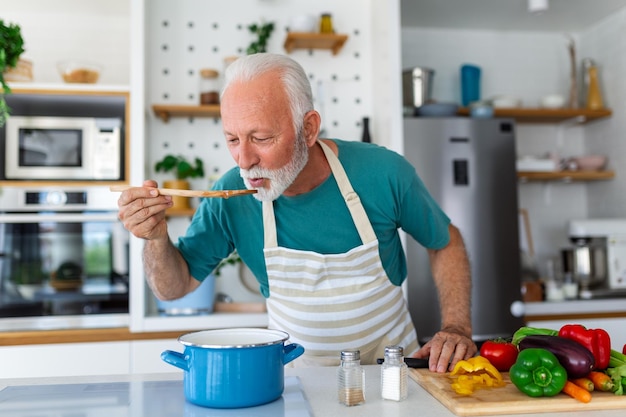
(577, 360)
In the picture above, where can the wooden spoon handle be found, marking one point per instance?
(190, 193)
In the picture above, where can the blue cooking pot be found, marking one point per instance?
(233, 368)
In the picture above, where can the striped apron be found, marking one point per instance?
(329, 303)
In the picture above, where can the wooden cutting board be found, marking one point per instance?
(507, 399)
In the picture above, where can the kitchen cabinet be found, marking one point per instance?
(302, 40)
(608, 314)
(65, 359)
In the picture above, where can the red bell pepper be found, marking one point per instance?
(596, 340)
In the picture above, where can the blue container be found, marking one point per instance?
(233, 368)
(198, 302)
(470, 84)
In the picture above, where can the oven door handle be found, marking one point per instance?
(58, 218)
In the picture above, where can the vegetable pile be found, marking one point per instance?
(541, 362)
(584, 354)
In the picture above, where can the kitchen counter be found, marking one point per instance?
(595, 308)
(316, 389)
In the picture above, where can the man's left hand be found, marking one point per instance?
(446, 348)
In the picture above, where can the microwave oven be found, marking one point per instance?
(63, 148)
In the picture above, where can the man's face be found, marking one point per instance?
(260, 136)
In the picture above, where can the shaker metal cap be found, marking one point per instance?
(394, 350)
(350, 355)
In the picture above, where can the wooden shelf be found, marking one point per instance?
(180, 212)
(304, 40)
(167, 111)
(539, 115)
(565, 176)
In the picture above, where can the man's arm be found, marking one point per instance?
(142, 212)
(166, 270)
(451, 272)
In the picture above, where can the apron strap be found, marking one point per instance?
(359, 216)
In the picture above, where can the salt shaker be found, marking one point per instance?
(394, 374)
(351, 378)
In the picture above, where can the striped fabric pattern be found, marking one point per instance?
(333, 302)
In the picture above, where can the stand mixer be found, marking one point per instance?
(598, 258)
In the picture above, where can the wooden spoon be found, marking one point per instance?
(190, 193)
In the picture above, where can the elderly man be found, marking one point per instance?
(320, 235)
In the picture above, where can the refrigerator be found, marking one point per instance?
(468, 165)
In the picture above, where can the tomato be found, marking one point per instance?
(501, 353)
(624, 350)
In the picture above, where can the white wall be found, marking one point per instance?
(530, 65)
(606, 43)
(96, 31)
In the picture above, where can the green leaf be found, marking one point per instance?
(180, 167)
(11, 47)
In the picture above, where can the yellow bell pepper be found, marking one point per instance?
(474, 373)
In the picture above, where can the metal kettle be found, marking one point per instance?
(587, 262)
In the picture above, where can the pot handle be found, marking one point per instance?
(291, 352)
(175, 358)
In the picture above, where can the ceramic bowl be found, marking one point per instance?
(591, 162)
(503, 102)
(553, 101)
(79, 72)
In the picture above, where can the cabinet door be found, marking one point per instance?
(64, 359)
(145, 356)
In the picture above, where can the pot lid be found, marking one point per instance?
(233, 338)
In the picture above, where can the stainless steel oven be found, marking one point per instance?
(63, 259)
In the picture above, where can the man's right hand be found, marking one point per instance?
(142, 211)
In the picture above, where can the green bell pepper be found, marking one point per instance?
(538, 373)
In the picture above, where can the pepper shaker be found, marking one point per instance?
(351, 378)
(394, 374)
(209, 88)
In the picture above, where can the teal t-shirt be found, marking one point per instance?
(390, 190)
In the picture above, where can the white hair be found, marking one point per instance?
(294, 79)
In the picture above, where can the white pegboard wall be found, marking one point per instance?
(188, 35)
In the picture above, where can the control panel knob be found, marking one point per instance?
(56, 198)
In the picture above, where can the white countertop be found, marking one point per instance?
(606, 305)
(319, 387)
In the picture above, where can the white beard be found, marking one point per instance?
(279, 179)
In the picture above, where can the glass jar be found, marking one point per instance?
(209, 86)
(394, 374)
(592, 85)
(351, 378)
(326, 23)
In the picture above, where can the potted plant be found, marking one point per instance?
(11, 47)
(182, 169)
(263, 32)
